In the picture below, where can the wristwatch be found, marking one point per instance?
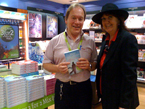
(90, 66)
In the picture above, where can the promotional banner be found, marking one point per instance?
(9, 41)
(12, 15)
(38, 104)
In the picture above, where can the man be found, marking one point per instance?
(72, 91)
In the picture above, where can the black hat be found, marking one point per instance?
(110, 8)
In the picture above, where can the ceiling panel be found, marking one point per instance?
(90, 5)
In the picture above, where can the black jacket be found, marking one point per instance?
(119, 74)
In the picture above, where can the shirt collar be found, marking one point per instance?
(82, 33)
(114, 38)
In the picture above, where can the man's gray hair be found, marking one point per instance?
(73, 6)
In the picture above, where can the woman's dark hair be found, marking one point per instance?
(122, 22)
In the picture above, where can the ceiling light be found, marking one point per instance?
(73, 1)
(4, 4)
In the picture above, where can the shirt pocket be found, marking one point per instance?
(86, 53)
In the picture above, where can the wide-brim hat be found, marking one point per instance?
(110, 8)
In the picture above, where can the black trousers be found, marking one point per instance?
(78, 96)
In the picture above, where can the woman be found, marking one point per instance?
(117, 61)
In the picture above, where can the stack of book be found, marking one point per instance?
(15, 90)
(35, 87)
(49, 84)
(2, 93)
(3, 68)
(24, 67)
(30, 74)
(4, 71)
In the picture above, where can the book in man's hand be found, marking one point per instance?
(72, 57)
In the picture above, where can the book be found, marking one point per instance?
(49, 84)
(35, 87)
(2, 93)
(72, 57)
(15, 87)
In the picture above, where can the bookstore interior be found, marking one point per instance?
(24, 36)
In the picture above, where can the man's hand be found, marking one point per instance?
(83, 64)
(62, 67)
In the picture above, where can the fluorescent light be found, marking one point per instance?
(73, 0)
(4, 4)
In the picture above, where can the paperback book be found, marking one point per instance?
(72, 57)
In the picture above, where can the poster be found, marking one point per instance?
(52, 26)
(35, 25)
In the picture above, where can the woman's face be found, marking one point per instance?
(110, 23)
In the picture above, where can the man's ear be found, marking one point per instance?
(65, 21)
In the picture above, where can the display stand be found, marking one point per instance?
(8, 62)
(37, 104)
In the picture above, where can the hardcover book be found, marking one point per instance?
(72, 57)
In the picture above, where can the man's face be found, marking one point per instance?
(75, 21)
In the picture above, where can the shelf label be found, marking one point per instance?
(13, 15)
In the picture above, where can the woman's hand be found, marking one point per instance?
(83, 64)
(63, 67)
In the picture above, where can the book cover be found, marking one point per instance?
(72, 57)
